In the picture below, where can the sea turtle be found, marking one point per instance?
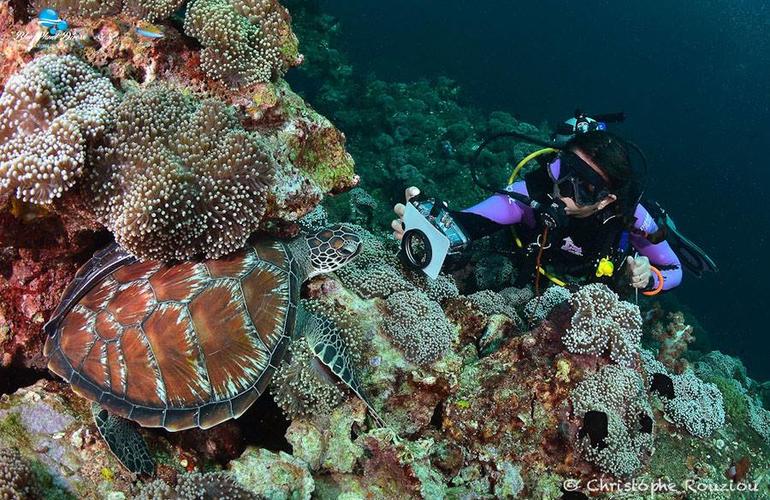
(193, 343)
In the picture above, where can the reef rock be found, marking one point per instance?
(272, 475)
(52, 430)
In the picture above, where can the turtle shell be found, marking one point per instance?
(182, 345)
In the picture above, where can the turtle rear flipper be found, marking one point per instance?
(330, 349)
(124, 441)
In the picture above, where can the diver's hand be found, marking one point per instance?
(639, 271)
(398, 224)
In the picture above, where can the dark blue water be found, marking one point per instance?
(692, 76)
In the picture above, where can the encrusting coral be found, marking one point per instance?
(245, 41)
(16, 478)
(147, 9)
(688, 401)
(418, 325)
(617, 428)
(604, 323)
(196, 486)
(538, 308)
(179, 177)
(50, 112)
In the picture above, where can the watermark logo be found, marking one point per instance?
(49, 20)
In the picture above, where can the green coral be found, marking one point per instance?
(272, 475)
(12, 430)
(301, 386)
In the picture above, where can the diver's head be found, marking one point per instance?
(596, 173)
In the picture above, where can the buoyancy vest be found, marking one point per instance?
(586, 250)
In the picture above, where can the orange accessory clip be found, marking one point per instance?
(658, 288)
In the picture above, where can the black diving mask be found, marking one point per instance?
(574, 178)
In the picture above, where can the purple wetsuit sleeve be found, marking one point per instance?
(505, 210)
(661, 255)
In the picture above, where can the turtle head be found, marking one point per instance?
(331, 248)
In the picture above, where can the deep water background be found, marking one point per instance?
(692, 76)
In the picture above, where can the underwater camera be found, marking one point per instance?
(430, 235)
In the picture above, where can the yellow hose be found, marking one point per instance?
(527, 159)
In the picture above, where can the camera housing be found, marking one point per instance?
(430, 235)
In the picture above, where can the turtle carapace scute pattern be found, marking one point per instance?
(187, 344)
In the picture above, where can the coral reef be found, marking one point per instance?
(688, 401)
(493, 271)
(195, 486)
(16, 478)
(495, 303)
(52, 433)
(301, 387)
(179, 178)
(602, 323)
(84, 101)
(418, 325)
(696, 406)
(476, 405)
(40, 254)
(538, 308)
(50, 112)
(674, 337)
(617, 424)
(147, 9)
(245, 41)
(272, 475)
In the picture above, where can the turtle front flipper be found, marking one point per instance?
(328, 346)
(124, 441)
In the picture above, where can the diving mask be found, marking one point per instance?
(574, 178)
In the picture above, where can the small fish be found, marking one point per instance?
(149, 30)
(49, 19)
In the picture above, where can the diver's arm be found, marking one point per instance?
(495, 213)
(661, 255)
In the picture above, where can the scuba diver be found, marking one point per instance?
(578, 219)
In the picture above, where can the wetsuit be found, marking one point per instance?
(574, 249)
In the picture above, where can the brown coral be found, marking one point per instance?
(603, 323)
(147, 9)
(15, 475)
(49, 113)
(179, 177)
(245, 41)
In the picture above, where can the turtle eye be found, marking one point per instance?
(349, 248)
